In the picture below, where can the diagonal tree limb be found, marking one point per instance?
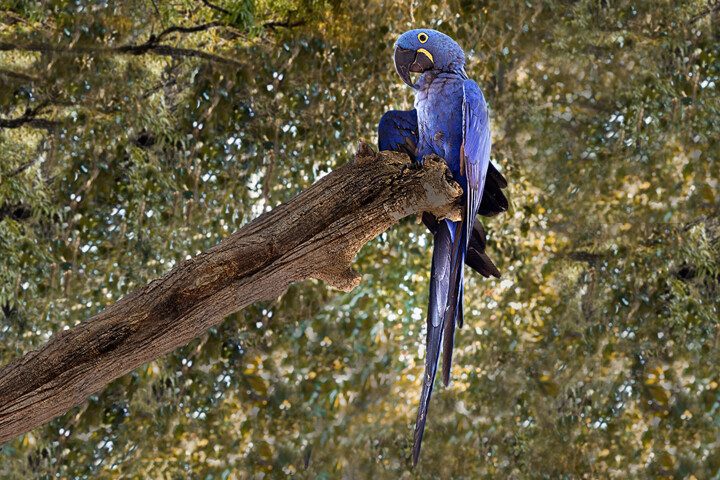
(29, 118)
(314, 235)
(149, 47)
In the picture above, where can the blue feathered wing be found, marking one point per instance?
(475, 151)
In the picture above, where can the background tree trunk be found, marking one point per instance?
(314, 235)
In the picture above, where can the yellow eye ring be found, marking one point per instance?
(422, 37)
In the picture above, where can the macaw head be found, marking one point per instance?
(423, 49)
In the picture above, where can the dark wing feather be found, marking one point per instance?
(475, 256)
(493, 199)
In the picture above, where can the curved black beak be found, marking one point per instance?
(407, 61)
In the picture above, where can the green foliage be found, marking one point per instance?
(595, 356)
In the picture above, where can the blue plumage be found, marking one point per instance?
(450, 119)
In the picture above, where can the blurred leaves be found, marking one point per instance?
(596, 353)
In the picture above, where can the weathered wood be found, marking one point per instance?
(314, 235)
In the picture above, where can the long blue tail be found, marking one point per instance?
(444, 310)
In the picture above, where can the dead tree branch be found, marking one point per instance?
(314, 235)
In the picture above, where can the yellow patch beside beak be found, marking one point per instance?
(428, 54)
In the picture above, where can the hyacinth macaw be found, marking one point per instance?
(450, 119)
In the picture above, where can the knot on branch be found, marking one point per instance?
(364, 154)
(442, 193)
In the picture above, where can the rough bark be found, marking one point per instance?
(314, 235)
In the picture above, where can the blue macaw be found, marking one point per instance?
(450, 119)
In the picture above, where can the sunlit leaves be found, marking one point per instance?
(595, 353)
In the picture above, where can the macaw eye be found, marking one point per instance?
(422, 37)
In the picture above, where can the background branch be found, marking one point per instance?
(215, 7)
(713, 6)
(194, 29)
(29, 118)
(130, 49)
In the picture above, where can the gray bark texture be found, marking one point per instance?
(314, 235)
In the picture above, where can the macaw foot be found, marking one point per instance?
(413, 166)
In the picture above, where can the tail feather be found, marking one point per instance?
(444, 310)
(451, 309)
(439, 283)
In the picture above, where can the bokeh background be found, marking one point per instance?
(126, 147)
